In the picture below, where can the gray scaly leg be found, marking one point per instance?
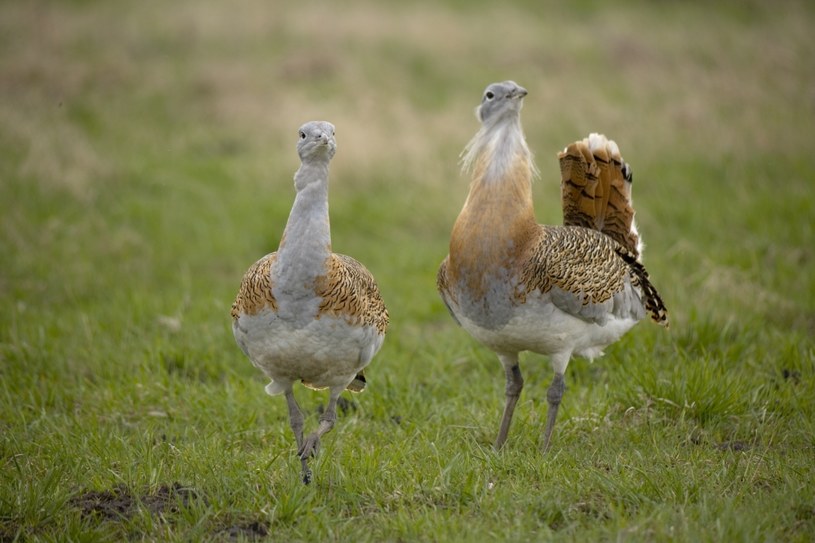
(515, 383)
(296, 421)
(311, 444)
(553, 397)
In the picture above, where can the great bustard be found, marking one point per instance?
(307, 314)
(515, 285)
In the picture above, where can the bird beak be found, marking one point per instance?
(518, 92)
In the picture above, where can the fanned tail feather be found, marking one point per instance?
(596, 190)
(653, 301)
(358, 384)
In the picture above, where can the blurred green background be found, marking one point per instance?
(146, 160)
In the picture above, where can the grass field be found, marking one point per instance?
(146, 160)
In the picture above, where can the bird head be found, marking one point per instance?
(316, 141)
(500, 100)
(500, 140)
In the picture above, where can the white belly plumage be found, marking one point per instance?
(540, 326)
(323, 352)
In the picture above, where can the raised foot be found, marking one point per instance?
(306, 473)
(310, 447)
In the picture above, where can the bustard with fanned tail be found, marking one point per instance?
(516, 285)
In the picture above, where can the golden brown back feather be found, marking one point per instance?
(255, 293)
(349, 291)
(596, 191)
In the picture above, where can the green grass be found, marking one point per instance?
(146, 160)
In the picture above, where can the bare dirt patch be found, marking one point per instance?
(120, 502)
(249, 530)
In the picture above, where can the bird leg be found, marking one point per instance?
(311, 444)
(553, 397)
(515, 383)
(296, 420)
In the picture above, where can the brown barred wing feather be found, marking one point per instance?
(578, 268)
(255, 293)
(349, 290)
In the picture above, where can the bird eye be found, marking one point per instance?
(490, 95)
(302, 135)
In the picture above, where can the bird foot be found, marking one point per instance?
(308, 449)
(311, 445)
(306, 474)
